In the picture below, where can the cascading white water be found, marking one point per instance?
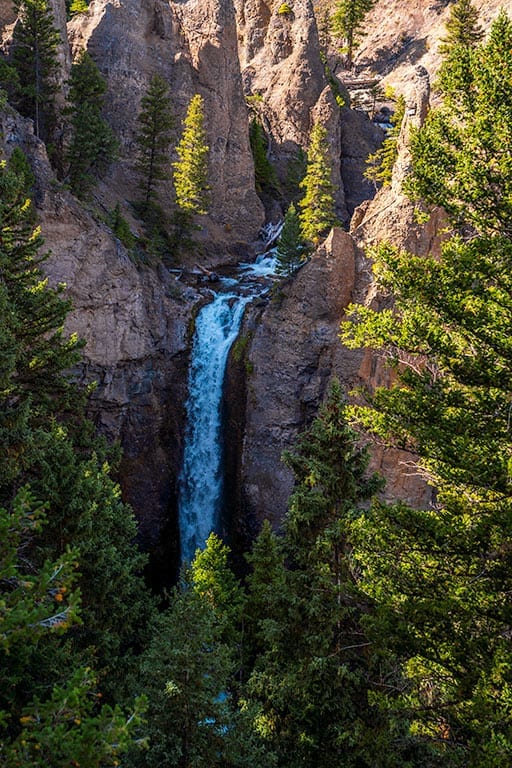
(201, 481)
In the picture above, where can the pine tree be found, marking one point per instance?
(462, 26)
(291, 250)
(35, 59)
(88, 513)
(93, 145)
(36, 353)
(264, 173)
(312, 668)
(191, 170)
(461, 157)
(190, 668)
(155, 123)
(347, 21)
(78, 6)
(317, 215)
(441, 577)
(455, 76)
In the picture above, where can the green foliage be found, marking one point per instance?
(347, 23)
(68, 728)
(89, 514)
(284, 9)
(380, 164)
(157, 242)
(93, 145)
(317, 214)
(462, 26)
(35, 60)
(53, 471)
(190, 670)
(65, 724)
(311, 669)
(455, 76)
(34, 352)
(191, 170)
(264, 172)
(461, 160)
(441, 578)
(32, 602)
(78, 6)
(291, 250)
(295, 172)
(155, 123)
(20, 166)
(121, 228)
(8, 78)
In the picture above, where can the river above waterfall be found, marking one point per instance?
(201, 481)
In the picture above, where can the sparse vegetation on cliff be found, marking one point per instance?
(35, 60)
(92, 146)
(317, 213)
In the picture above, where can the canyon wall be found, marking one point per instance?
(193, 46)
(295, 349)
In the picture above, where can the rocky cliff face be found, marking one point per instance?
(287, 88)
(193, 46)
(296, 350)
(294, 353)
(401, 34)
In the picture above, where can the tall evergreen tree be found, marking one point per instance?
(155, 123)
(312, 669)
(463, 33)
(36, 353)
(35, 59)
(347, 23)
(441, 577)
(291, 250)
(317, 214)
(191, 170)
(93, 145)
(194, 720)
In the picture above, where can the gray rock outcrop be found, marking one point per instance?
(296, 348)
(193, 46)
(294, 353)
(284, 79)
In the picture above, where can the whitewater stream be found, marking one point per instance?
(201, 481)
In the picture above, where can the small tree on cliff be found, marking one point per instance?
(155, 122)
(35, 60)
(291, 250)
(191, 170)
(347, 21)
(317, 206)
(380, 164)
(93, 145)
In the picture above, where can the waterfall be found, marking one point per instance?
(201, 479)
